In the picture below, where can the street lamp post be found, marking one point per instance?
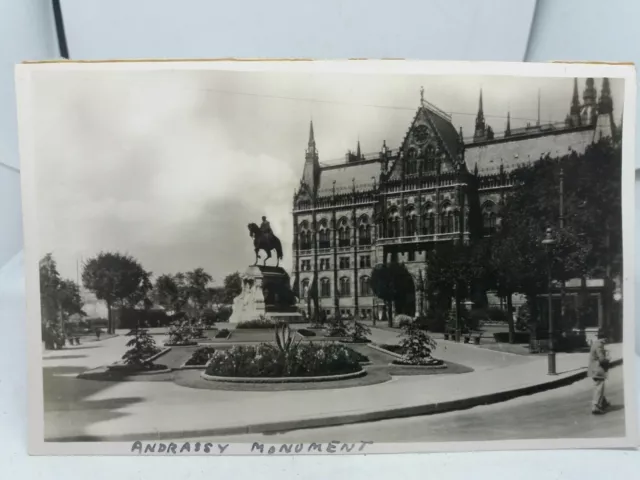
(548, 242)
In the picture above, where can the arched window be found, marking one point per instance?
(324, 235)
(412, 161)
(305, 236)
(393, 224)
(325, 287)
(364, 231)
(430, 165)
(344, 233)
(345, 287)
(365, 286)
(428, 220)
(410, 222)
(489, 218)
(305, 287)
(446, 219)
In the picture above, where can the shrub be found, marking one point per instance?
(224, 333)
(181, 334)
(402, 319)
(338, 328)
(223, 314)
(141, 347)
(497, 314)
(197, 330)
(518, 337)
(261, 322)
(416, 345)
(201, 356)
(209, 317)
(267, 360)
(306, 332)
(360, 332)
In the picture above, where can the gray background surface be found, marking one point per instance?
(511, 30)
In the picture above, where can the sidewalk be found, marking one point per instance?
(136, 410)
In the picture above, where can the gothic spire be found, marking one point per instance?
(605, 104)
(507, 131)
(312, 140)
(480, 132)
(538, 120)
(358, 154)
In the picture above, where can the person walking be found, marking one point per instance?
(598, 368)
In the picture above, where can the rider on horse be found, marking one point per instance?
(265, 228)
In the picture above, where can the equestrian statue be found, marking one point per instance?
(264, 239)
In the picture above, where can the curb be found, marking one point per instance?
(263, 380)
(337, 420)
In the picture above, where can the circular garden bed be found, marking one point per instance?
(266, 363)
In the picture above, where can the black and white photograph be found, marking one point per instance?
(315, 257)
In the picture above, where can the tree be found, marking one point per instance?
(232, 286)
(59, 299)
(197, 282)
(393, 284)
(456, 271)
(114, 278)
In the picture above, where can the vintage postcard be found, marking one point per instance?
(346, 257)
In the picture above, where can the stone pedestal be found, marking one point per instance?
(266, 292)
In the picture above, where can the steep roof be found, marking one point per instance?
(344, 173)
(517, 151)
(446, 131)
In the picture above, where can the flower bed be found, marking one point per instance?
(201, 356)
(268, 361)
(259, 323)
(183, 343)
(141, 368)
(424, 362)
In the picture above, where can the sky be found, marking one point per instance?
(171, 166)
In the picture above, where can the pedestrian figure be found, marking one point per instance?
(98, 332)
(598, 368)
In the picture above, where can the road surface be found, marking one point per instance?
(559, 413)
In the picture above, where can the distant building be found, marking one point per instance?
(398, 203)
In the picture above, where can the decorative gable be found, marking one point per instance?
(431, 144)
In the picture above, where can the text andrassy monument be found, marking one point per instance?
(266, 291)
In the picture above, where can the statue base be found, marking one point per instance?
(266, 293)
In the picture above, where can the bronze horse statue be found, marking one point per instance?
(262, 241)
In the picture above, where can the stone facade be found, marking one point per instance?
(399, 203)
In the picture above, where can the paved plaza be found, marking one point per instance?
(80, 409)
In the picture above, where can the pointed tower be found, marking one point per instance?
(573, 118)
(605, 104)
(605, 125)
(538, 119)
(481, 130)
(507, 131)
(358, 152)
(589, 103)
(311, 172)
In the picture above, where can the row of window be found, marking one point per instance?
(449, 223)
(344, 287)
(344, 263)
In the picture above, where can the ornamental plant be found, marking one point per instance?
(141, 347)
(180, 334)
(360, 333)
(416, 344)
(338, 328)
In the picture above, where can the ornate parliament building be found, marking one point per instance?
(396, 204)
